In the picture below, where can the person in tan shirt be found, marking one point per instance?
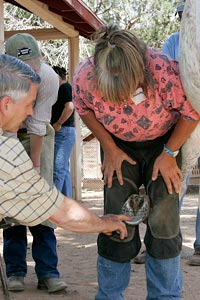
(37, 136)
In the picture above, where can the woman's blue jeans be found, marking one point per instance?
(44, 251)
(162, 238)
(64, 141)
(163, 276)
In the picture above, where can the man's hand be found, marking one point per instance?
(167, 167)
(73, 216)
(115, 223)
(57, 126)
(112, 162)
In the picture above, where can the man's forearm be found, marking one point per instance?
(74, 217)
(67, 112)
(35, 149)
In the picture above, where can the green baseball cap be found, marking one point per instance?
(23, 46)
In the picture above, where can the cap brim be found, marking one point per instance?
(179, 9)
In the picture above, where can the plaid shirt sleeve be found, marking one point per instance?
(24, 194)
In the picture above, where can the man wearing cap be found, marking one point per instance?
(171, 48)
(171, 45)
(34, 133)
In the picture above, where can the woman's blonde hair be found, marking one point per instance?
(120, 64)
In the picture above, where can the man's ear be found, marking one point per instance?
(4, 104)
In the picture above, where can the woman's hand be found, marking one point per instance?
(112, 162)
(168, 168)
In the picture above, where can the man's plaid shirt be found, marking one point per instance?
(24, 194)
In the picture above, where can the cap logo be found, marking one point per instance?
(23, 51)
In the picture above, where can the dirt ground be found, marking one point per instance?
(77, 261)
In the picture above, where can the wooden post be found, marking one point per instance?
(76, 153)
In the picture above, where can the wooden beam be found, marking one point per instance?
(76, 153)
(40, 34)
(73, 56)
(41, 10)
(1, 28)
(89, 137)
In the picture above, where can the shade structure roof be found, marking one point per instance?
(73, 12)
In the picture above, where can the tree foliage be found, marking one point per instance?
(152, 20)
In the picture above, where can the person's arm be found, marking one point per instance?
(171, 46)
(165, 164)
(35, 150)
(36, 124)
(113, 156)
(73, 216)
(28, 198)
(66, 113)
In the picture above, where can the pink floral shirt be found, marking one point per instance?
(141, 118)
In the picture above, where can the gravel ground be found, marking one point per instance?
(77, 260)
